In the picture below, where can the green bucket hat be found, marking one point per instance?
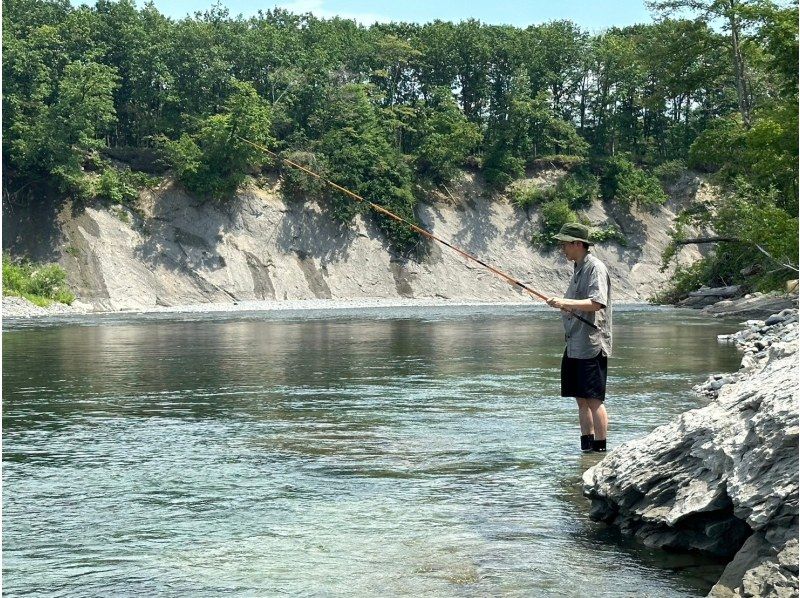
(573, 231)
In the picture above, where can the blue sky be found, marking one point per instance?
(591, 15)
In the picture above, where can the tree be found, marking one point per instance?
(443, 137)
(59, 136)
(472, 66)
(684, 67)
(737, 16)
(436, 63)
(135, 43)
(553, 52)
(348, 134)
(214, 160)
(391, 73)
(615, 104)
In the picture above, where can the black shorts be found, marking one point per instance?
(584, 378)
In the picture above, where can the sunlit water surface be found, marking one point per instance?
(362, 453)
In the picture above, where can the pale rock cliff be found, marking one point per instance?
(176, 250)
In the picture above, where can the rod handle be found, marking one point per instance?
(584, 320)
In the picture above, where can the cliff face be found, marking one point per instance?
(722, 479)
(177, 250)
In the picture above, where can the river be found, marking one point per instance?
(413, 451)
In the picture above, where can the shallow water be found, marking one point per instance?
(379, 452)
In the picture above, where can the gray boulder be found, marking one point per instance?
(773, 319)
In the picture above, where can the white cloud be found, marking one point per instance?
(317, 8)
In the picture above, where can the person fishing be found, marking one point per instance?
(584, 366)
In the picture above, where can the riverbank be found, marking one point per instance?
(722, 479)
(18, 307)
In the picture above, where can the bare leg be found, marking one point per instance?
(599, 418)
(585, 416)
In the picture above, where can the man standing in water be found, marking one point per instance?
(585, 362)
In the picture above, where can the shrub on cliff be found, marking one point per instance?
(501, 167)
(552, 216)
(621, 181)
(670, 171)
(296, 184)
(559, 204)
(608, 234)
(579, 189)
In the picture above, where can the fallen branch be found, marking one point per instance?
(699, 240)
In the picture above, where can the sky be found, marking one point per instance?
(591, 15)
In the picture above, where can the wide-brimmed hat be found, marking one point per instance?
(573, 231)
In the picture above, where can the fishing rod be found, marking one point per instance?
(425, 233)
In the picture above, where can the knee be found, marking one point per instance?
(594, 404)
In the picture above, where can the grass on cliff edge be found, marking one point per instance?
(40, 284)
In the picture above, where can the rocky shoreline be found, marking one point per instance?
(18, 307)
(722, 479)
(754, 341)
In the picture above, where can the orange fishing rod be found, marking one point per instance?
(425, 233)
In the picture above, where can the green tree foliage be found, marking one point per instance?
(346, 129)
(762, 255)
(766, 153)
(443, 137)
(213, 161)
(57, 139)
(622, 182)
(82, 113)
(736, 16)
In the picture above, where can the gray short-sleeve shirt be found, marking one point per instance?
(590, 280)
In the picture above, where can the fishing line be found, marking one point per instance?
(425, 233)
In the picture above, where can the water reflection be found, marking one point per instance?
(424, 454)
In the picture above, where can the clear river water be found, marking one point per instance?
(378, 452)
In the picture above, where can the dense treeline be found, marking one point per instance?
(386, 109)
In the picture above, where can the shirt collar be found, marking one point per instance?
(580, 264)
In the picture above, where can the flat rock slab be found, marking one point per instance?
(756, 305)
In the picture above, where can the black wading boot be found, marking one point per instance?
(587, 443)
(599, 446)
